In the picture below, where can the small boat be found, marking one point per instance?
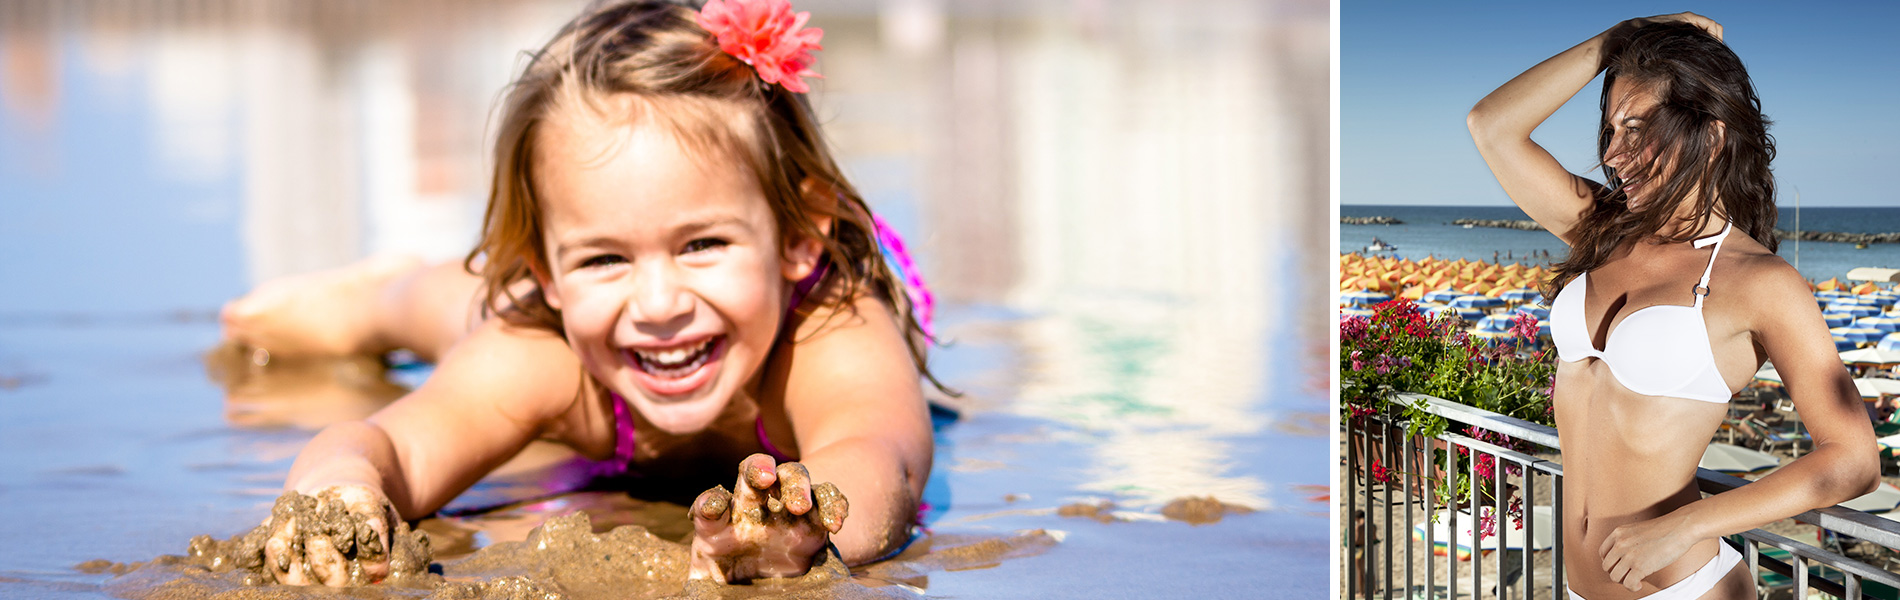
(1379, 245)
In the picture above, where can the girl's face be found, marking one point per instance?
(666, 267)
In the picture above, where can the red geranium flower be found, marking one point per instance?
(767, 35)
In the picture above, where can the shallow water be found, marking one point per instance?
(1120, 205)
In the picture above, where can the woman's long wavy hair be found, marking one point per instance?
(1698, 82)
(657, 54)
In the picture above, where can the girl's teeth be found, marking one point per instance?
(672, 357)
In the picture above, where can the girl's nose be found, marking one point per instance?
(658, 298)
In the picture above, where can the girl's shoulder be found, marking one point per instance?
(527, 374)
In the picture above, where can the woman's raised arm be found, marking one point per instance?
(1501, 126)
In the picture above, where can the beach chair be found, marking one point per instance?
(1789, 436)
(1770, 585)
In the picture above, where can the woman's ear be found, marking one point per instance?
(803, 252)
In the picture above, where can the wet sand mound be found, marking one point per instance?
(561, 559)
(1194, 510)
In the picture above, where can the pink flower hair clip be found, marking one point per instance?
(767, 35)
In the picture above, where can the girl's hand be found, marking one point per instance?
(339, 536)
(1636, 550)
(771, 525)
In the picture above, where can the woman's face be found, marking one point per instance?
(1633, 152)
(666, 266)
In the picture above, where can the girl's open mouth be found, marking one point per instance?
(677, 370)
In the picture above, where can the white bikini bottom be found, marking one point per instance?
(1697, 583)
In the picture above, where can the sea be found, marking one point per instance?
(1428, 231)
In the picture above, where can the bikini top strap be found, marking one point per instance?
(1702, 289)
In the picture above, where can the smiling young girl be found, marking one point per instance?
(674, 275)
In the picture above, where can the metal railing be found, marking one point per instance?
(1393, 477)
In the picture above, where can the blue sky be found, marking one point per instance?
(1828, 76)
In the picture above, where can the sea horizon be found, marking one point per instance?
(1426, 230)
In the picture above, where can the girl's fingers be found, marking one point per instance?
(326, 565)
(712, 504)
(794, 488)
(831, 506)
(758, 472)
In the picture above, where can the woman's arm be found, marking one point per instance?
(1501, 126)
(1843, 465)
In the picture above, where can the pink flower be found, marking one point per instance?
(767, 35)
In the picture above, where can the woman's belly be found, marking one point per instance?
(1627, 458)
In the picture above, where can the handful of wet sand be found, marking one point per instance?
(326, 517)
(314, 517)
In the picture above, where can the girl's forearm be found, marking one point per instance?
(350, 453)
(883, 494)
(1833, 473)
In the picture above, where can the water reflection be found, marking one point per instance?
(1117, 201)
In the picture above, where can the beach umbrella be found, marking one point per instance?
(1768, 374)
(1493, 337)
(1468, 314)
(1891, 442)
(1736, 460)
(1853, 309)
(1831, 294)
(1883, 499)
(1475, 301)
(1363, 297)
(1837, 319)
(1871, 356)
(1543, 327)
(1879, 299)
(1522, 295)
(1842, 345)
(1535, 310)
(1891, 342)
(1883, 323)
(1495, 323)
(1356, 311)
(1857, 335)
(1875, 387)
(1442, 296)
(1542, 524)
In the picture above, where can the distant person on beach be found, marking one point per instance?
(1668, 302)
(674, 277)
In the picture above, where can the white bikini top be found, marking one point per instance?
(1660, 350)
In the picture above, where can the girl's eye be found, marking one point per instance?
(703, 244)
(602, 260)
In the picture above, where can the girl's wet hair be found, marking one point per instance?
(655, 54)
(1698, 82)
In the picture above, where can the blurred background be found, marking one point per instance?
(1121, 206)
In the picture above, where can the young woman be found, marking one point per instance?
(1670, 299)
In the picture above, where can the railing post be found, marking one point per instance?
(1557, 583)
(1386, 460)
(1530, 526)
(1477, 537)
(1405, 479)
(1354, 537)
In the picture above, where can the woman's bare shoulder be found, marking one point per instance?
(1770, 286)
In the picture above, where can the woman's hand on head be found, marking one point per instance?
(1705, 23)
(772, 524)
(337, 536)
(1637, 550)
